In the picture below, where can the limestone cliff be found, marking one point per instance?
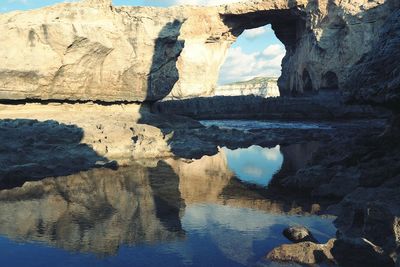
(260, 86)
(93, 51)
(376, 77)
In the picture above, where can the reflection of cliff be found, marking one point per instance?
(209, 180)
(96, 211)
(202, 180)
(296, 157)
(99, 210)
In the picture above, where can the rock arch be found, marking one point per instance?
(114, 46)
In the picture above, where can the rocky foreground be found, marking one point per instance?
(353, 174)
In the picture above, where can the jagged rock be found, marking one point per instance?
(93, 51)
(349, 252)
(346, 252)
(372, 213)
(299, 234)
(376, 77)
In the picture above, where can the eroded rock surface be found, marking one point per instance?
(115, 132)
(376, 77)
(308, 253)
(341, 252)
(91, 50)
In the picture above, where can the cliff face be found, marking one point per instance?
(93, 51)
(261, 86)
(88, 51)
(375, 78)
(333, 36)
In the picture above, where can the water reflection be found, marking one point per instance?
(255, 164)
(95, 211)
(171, 213)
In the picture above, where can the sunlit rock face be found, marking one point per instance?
(91, 50)
(114, 132)
(260, 86)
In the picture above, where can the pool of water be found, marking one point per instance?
(256, 124)
(172, 212)
(211, 235)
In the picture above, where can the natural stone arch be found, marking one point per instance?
(330, 81)
(288, 25)
(114, 46)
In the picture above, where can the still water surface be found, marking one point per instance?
(255, 164)
(173, 212)
(256, 124)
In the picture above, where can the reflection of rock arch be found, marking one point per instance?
(330, 81)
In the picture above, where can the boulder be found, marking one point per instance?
(299, 234)
(304, 253)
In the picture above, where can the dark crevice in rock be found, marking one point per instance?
(64, 101)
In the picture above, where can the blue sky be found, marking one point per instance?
(257, 52)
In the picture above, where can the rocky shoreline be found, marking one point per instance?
(325, 105)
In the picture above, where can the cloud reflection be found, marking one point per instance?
(255, 164)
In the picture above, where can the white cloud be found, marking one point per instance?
(272, 154)
(273, 50)
(23, 2)
(240, 66)
(253, 171)
(254, 33)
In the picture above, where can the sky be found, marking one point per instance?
(257, 52)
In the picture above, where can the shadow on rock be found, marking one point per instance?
(163, 72)
(31, 150)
